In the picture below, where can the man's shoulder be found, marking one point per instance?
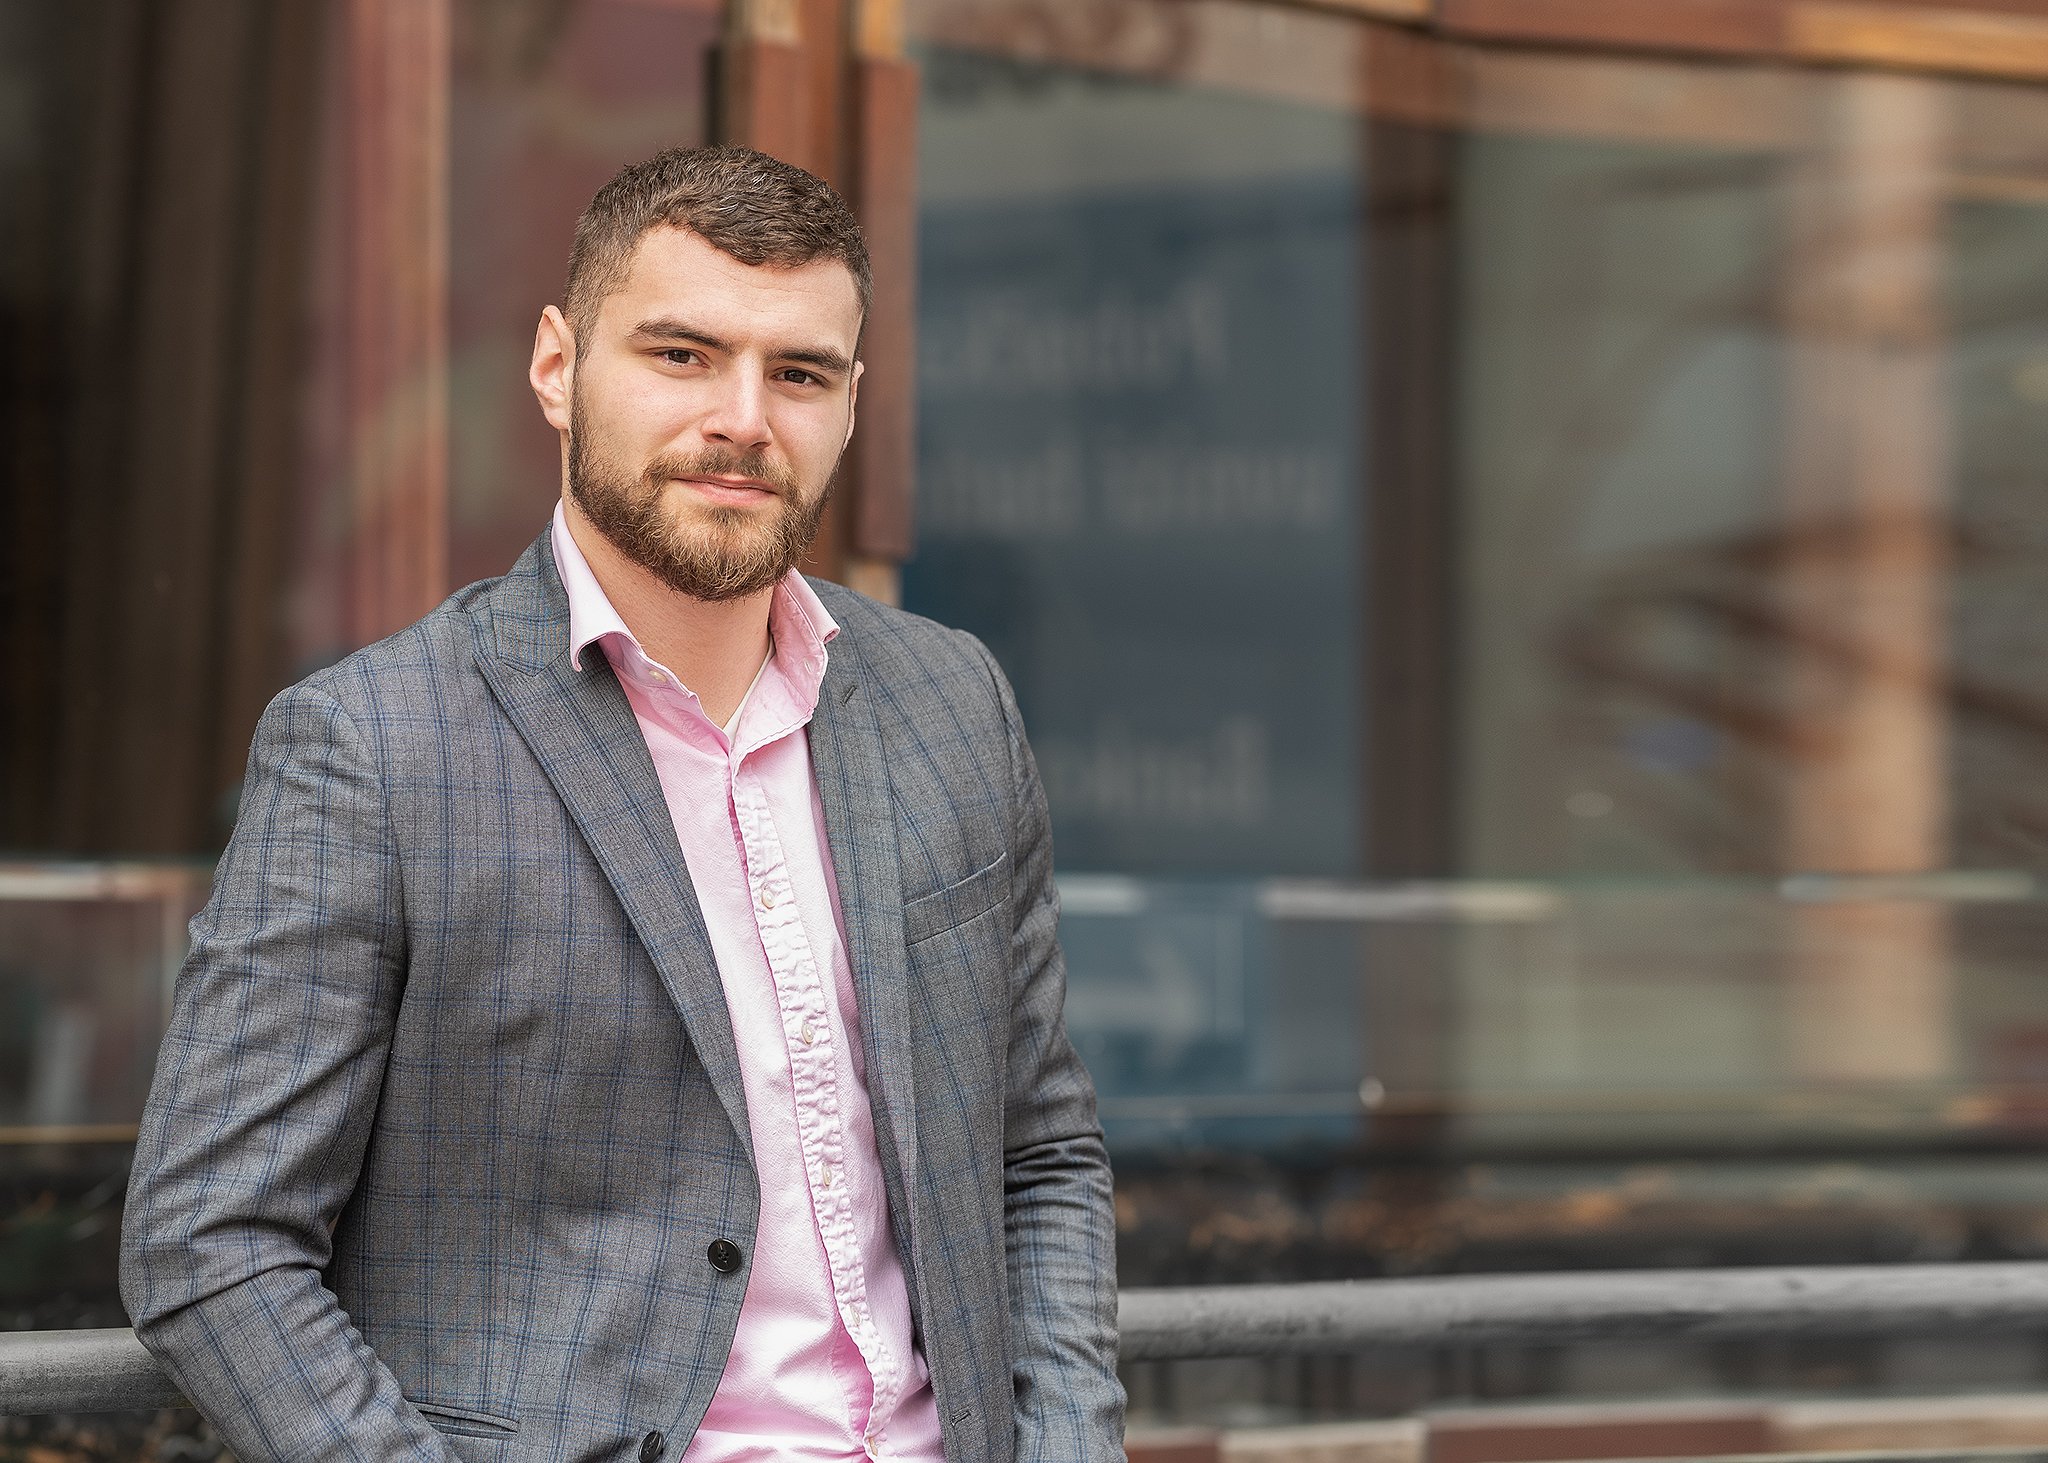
(405, 674)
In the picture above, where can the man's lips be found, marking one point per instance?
(731, 490)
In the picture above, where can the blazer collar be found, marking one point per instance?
(851, 765)
(580, 728)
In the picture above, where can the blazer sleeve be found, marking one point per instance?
(262, 1105)
(1059, 1215)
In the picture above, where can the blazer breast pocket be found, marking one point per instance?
(953, 906)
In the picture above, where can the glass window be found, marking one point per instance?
(1523, 571)
(155, 253)
(1142, 382)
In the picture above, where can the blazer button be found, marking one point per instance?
(650, 1447)
(724, 1256)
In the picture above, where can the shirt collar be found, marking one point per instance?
(797, 619)
(591, 616)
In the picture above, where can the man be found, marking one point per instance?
(627, 1021)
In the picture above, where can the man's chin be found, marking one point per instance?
(721, 572)
(713, 552)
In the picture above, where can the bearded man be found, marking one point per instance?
(627, 1020)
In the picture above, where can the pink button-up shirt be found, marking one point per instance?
(823, 1364)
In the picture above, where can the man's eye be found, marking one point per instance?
(678, 356)
(797, 377)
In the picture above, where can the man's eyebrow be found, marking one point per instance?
(667, 327)
(824, 359)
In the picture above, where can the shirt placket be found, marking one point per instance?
(810, 1041)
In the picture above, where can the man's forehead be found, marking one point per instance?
(673, 269)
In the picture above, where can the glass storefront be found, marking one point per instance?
(1518, 568)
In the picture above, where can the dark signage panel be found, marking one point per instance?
(1139, 471)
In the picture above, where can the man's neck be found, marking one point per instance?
(714, 648)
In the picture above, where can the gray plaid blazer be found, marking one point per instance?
(449, 1111)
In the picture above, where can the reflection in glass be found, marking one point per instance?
(1599, 480)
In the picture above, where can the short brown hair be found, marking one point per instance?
(756, 208)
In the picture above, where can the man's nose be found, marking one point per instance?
(739, 415)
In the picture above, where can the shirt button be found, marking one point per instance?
(724, 1256)
(651, 1446)
(809, 1033)
(767, 899)
(660, 680)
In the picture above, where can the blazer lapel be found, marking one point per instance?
(582, 731)
(860, 827)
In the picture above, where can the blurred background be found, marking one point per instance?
(1519, 528)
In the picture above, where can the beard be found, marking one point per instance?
(705, 551)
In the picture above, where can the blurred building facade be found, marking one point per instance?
(1520, 529)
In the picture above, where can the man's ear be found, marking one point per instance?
(852, 395)
(553, 372)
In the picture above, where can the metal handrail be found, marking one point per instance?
(104, 1371)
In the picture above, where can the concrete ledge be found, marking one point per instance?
(1559, 1308)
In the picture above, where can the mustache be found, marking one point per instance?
(726, 463)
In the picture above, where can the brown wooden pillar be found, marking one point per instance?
(395, 315)
(880, 473)
(1863, 579)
